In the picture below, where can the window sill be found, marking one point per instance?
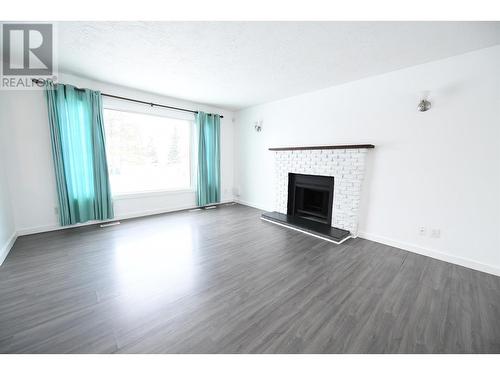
(147, 194)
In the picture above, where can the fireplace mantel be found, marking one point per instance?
(331, 147)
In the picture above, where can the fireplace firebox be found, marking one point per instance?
(310, 197)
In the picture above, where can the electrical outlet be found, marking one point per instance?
(435, 233)
(422, 231)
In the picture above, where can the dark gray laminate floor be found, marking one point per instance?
(223, 281)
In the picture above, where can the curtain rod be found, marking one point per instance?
(37, 81)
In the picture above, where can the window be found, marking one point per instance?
(147, 153)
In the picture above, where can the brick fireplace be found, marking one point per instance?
(346, 164)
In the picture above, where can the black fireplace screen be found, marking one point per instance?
(310, 197)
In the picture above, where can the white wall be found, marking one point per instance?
(7, 227)
(438, 169)
(29, 159)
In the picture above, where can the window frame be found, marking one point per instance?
(161, 192)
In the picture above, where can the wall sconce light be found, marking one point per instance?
(424, 104)
(257, 125)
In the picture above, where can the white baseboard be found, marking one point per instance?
(4, 251)
(465, 262)
(53, 227)
(253, 205)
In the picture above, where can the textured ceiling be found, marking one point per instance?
(239, 64)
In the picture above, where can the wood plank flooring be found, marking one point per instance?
(223, 281)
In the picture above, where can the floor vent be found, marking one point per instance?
(110, 224)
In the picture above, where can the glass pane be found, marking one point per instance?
(146, 152)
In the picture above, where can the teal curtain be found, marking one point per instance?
(78, 150)
(208, 181)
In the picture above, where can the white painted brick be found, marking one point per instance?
(346, 166)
